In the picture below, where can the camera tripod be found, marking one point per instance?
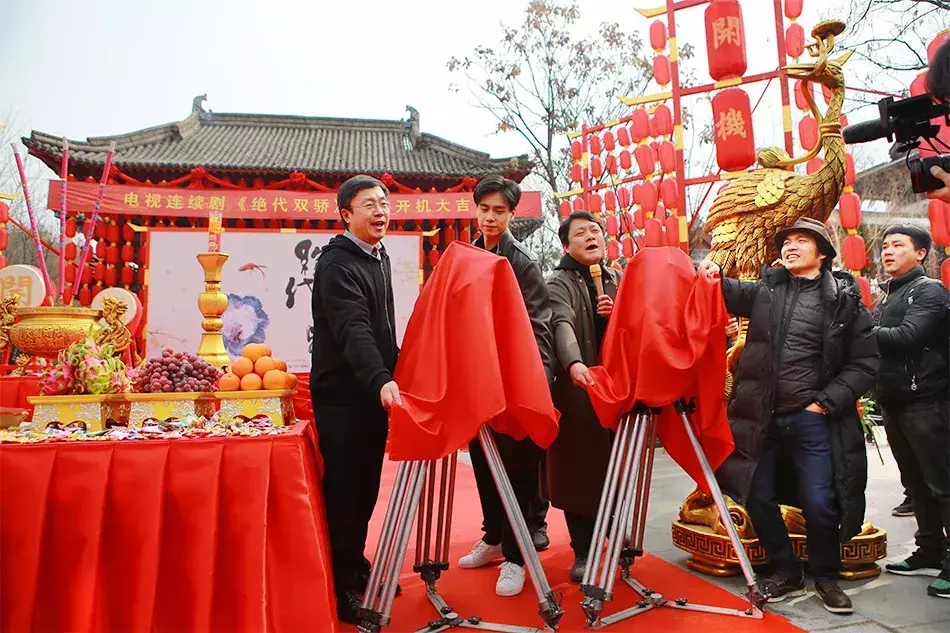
(621, 521)
(415, 488)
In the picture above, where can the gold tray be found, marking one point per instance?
(167, 405)
(93, 410)
(277, 403)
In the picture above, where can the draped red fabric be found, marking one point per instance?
(666, 340)
(223, 534)
(469, 357)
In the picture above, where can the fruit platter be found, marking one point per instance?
(90, 389)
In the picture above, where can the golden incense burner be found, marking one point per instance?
(47, 330)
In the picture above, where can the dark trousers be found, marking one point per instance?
(352, 443)
(807, 438)
(537, 517)
(521, 459)
(581, 529)
(919, 436)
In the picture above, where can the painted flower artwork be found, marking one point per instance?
(243, 322)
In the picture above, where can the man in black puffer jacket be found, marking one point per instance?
(913, 391)
(809, 356)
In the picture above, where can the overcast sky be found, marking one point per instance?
(80, 68)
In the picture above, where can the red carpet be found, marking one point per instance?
(472, 592)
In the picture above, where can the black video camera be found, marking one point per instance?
(909, 122)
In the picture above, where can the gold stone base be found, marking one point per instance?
(713, 554)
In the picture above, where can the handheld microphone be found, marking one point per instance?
(595, 272)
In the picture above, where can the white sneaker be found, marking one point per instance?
(482, 553)
(510, 580)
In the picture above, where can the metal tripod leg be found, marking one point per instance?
(754, 594)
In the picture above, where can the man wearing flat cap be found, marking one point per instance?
(809, 356)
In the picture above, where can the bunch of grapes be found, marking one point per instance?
(175, 372)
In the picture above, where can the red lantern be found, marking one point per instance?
(672, 224)
(725, 40)
(653, 131)
(610, 201)
(654, 230)
(646, 160)
(639, 218)
(128, 234)
(112, 276)
(667, 156)
(576, 150)
(800, 102)
(612, 165)
(919, 85)
(853, 252)
(613, 225)
(4, 238)
(795, 40)
(565, 208)
(85, 296)
(142, 275)
(939, 213)
(127, 275)
(808, 132)
(625, 161)
(865, 287)
(849, 170)
(70, 272)
(793, 9)
(99, 271)
(626, 245)
(70, 227)
(843, 120)
(646, 196)
(944, 272)
(935, 44)
(813, 165)
(663, 119)
(661, 69)
(595, 147)
(609, 141)
(732, 115)
(128, 252)
(658, 35)
(624, 198)
(433, 257)
(100, 230)
(640, 125)
(849, 210)
(112, 232)
(623, 136)
(578, 204)
(112, 254)
(101, 249)
(596, 167)
(576, 172)
(595, 202)
(613, 250)
(86, 275)
(670, 193)
(4, 212)
(826, 93)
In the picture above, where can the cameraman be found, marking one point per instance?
(938, 84)
(913, 384)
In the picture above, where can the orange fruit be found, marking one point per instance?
(266, 349)
(242, 366)
(281, 365)
(291, 381)
(275, 379)
(251, 382)
(255, 351)
(263, 365)
(229, 382)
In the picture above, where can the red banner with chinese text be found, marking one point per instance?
(267, 204)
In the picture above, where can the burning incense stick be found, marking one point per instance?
(63, 172)
(34, 227)
(91, 224)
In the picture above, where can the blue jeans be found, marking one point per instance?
(807, 437)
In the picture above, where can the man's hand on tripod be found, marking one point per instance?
(580, 374)
(944, 193)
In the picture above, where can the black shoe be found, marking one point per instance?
(833, 598)
(905, 509)
(576, 575)
(540, 539)
(364, 583)
(940, 588)
(916, 564)
(782, 584)
(348, 608)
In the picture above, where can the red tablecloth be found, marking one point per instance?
(14, 391)
(183, 535)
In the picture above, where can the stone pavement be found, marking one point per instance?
(887, 603)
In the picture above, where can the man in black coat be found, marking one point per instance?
(351, 377)
(809, 356)
(913, 389)
(496, 199)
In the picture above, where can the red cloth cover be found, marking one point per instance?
(666, 340)
(14, 391)
(223, 534)
(469, 356)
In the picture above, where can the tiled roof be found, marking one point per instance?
(280, 144)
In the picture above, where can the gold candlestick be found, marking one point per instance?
(212, 303)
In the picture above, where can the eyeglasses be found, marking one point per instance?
(372, 207)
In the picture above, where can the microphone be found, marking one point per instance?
(866, 131)
(595, 272)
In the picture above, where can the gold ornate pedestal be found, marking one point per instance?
(278, 404)
(699, 532)
(47, 330)
(212, 303)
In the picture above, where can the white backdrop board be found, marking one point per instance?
(268, 280)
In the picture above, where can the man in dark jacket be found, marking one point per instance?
(496, 199)
(577, 460)
(809, 356)
(913, 390)
(351, 377)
